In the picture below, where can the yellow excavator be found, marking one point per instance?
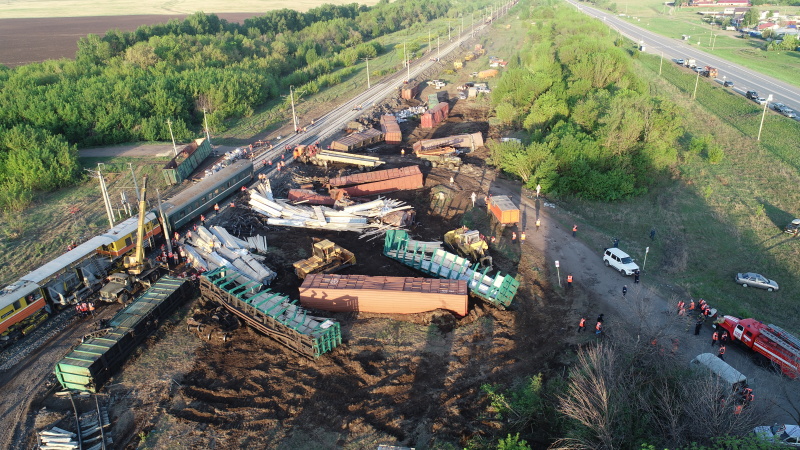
(327, 257)
(468, 243)
(139, 271)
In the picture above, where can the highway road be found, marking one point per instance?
(337, 119)
(744, 79)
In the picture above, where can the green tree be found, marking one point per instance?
(750, 18)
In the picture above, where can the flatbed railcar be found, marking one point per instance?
(28, 301)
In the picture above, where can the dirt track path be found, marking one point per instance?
(646, 304)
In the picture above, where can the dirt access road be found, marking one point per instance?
(648, 304)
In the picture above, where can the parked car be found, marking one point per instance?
(780, 434)
(760, 100)
(680, 62)
(793, 227)
(788, 112)
(752, 95)
(777, 106)
(756, 280)
(727, 83)
(619, 260)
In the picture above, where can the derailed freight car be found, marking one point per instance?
(271, 313)
(391, 129)
(435, 115)
(471, 141)
(91, 364)
(189, 159)
(357, 140)
(386, 295)
(380, 181)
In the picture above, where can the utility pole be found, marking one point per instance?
(104, 193)
(438, 46)
(661, 64)
(696, 82)
(165, 223)
(135, 184)
(461, 30)
(405, 61)
(472, 33)
(449, 28)
(174, 147)
(368, 83)
(429, 40)
(208, 134)
(769, 99)
(294, 116)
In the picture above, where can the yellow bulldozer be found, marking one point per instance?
(326, 257)
(468, 243)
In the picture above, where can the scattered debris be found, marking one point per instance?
(208, 250)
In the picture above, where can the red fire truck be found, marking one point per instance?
(771, 341)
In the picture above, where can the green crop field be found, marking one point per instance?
(13, 9)
(675, 23)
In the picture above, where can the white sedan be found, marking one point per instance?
(780, 434)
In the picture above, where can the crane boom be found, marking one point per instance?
(135, 262)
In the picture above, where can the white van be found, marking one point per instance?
(721, 369)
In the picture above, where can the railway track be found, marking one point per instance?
(90, 428)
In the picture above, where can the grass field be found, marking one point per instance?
(674, 23)
(14, 9)
(715, 220)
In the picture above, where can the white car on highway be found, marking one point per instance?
(619, 260)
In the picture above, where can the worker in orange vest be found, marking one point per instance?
(714, 338)
(721, 352)
(569, 281)
(691, 306)
(492, 239)
(522, 237)
(216, 207)
(598, 328)
(513, 236)
(574, 230)
(233, 205)
(244, 188)
(202, 220)
(582, 325)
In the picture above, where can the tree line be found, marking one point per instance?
(124, 86)
(592, 127)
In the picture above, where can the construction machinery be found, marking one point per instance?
(771, 342)
(468, 243)
(311, 154)
(441, 156)
(326, 257)
(709, 71)
(139, 271)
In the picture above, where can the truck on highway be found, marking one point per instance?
(708, 71)
(691, 63)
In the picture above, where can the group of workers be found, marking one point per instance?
(84, 308)
(701, 307)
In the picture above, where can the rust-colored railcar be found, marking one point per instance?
(387, 295)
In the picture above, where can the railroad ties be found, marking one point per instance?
(271, 313)
(93, 361)
(498, 290)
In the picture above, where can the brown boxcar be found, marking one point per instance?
(357, 140)
(504, 210)
(409, 91)
(371, 177)
(435, 115)
(387, 295)
(391, 129)
(391, 180)
(310, 197)
(471, 141)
